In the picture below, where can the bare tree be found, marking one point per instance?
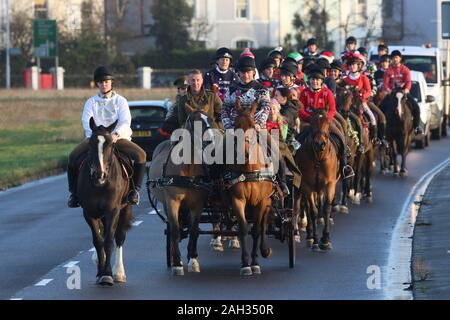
(201, 29)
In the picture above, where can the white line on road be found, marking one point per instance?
(152, 212)
(137, 223)
(70, 264)
(400, 252)
(43, 282)
(14, 299)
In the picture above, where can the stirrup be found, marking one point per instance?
(351, 174)
(134, 197)
(376, 141)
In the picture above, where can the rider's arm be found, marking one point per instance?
(331, 105)
(88, 113)
(123, 127)
(367, 89)
(228, 104)
(217, 108)
(264, 108)
(407, 78)
(386, 80)
(304, 116)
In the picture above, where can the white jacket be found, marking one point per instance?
(105, 112)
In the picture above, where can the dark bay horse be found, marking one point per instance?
(182, 186)
(399, 128)
(102, 190)
(250, 188)
(318, 161)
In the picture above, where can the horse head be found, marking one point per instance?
(100, 152)
(320, 125)
(344, 100)
(399, 96)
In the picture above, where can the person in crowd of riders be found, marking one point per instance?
(336, 69)
(277, 55)
(221, 76)
(298, 58)
(399, 75)
(383, 50)
(289, 71)
(357, 79)
(350, 47)
(181, 84)
(326, 67)
(312, 49)
(105, 108)
(384, 63)
(318, 96)
(247, 52)
(289, 110)
(196, 97)
(369, 69)
(327, 55)
(266, 70)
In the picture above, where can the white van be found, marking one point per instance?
(419, 92)
(428, 61)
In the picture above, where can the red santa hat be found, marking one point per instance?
(327, 55)
(247, 53)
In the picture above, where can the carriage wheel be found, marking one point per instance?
(291, 244)
(169, 248)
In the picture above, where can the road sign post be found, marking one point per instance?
(45, 41)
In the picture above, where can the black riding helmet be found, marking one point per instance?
(223, 53)
(307, 63)
(323, 63)
(245, 64)
(350, 39)
(289, 68)
(316, 72)
(363, 51)
(337, 64)
(103, 73)
(396, 53)
(385, 58)
(267, 63)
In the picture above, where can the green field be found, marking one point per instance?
(38, 129)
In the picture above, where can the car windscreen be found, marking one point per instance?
(146, 114)
(415, 91)
(425, 64)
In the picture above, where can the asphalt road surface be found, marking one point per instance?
(41, 240)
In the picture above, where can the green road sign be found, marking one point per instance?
(45, 38)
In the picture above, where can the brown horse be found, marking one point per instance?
(399, 128)
(102, 190)
(319, 163)
(249, 189)
(182, 186)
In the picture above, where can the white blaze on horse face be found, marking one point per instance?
(399, 96)
(101, 141)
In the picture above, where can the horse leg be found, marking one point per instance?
(97, 239)
(325, 241)
(172, 210)
(239, 211)
(111, 222)
(122, 227)
(404, 152)
(313, 214)
(368, 175)
(344, 204)
(298, 215)
(395, 148)
(193, 265)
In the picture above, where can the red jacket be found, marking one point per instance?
(397, 76)
(321, 99)
(362, 83)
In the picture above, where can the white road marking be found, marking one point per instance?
(43, 282)
(14, 299)
(137, 223)
(400, 252)
(70, 264)
(152, 212)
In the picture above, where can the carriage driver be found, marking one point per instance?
(106, 107)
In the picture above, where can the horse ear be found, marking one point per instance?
(111, 127)
(92, 124)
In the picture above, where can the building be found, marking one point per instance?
(241, 23)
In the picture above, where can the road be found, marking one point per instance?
(40, 237)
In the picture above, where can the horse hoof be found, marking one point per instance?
(391, 167)
(369, 199)
(331, 222)
(315, 248)
(396, 174)
(106, 281)
(267, 253)
(383, 172)
(309, 243)
(322, 221)
(120, 278)
(216, 245)
(193, 265)
(336, 208)
(343, 210)
(351, 193)
(325, 246)
(234, 244)
(177, 271)
(246, 271)
(297, 238)
(403, 173)
(256, 269)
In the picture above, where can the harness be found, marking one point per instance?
(231, 178)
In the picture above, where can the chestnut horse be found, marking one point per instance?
(249, 187)
(102, 190)
(317, 159)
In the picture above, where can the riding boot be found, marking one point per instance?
(138, 175)
(382, 134)
(374, 135)
(72, 174)
(347, 171)
(415, 110)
